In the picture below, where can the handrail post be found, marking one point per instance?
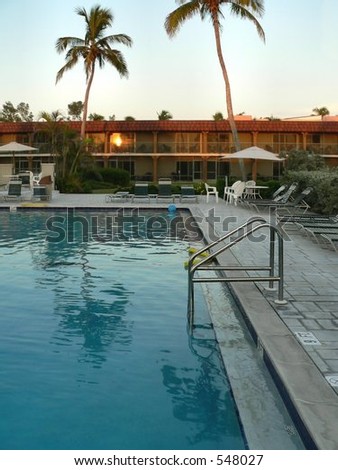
(191, 300)
(272, 256)
(280, 300)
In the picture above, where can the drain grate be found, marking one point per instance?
(307, 338)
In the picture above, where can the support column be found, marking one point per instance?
(155, 159)
(204, 168)
(107, 142)
(304, 135)
(254, 139)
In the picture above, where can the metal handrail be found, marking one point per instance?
(201, 265)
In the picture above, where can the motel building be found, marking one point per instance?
(180, 150)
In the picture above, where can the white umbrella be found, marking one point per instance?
(15, 147)
(256, 154)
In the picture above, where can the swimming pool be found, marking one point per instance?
(94, 346)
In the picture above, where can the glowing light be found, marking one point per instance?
(116, 139)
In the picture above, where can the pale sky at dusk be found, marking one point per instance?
(295, 71)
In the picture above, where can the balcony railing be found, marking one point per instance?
(194, 148)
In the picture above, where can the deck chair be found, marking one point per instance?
(277, 196)
(211, 191)
(188, 193)
(140, 191)
(14, 191)
(298, 203)
(281, 198)
(164, 190)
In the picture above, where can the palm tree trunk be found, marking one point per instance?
(231, 118)
(85, 103)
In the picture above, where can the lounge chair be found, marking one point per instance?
(164, 190)
(140, 192)
(298, 203)
(282, 195)
(14, 191)
(211, 191)
(188, 194)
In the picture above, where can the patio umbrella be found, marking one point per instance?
(256, 154)
(15, 147)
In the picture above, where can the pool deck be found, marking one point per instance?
(299, 340)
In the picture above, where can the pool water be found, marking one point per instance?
(95, 351)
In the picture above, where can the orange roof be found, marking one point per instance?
(315, 127)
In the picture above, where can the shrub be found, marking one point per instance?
(115, 176)
(324, 198)
(73, 184)
(302, 160)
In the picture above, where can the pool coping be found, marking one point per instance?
(307, 395)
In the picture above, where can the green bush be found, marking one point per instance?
(73, 185)
(92, 175)
(301, 160)
(324, 198)
(115, 176)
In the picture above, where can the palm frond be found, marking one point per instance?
(73, 60)
(238, 10)
(117, 60)
(116, 38)
(64, 43)
(176, 18)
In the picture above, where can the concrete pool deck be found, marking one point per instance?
(299, 340)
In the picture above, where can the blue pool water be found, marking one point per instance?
(94, 350)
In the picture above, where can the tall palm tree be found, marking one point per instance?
(323, 111)
(244, 9)
(94, 49)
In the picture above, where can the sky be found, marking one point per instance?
(294, 71)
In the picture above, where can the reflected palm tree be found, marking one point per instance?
(86, 304)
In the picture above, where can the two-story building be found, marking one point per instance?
(181, 150)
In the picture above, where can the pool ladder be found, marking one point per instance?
(203, 264)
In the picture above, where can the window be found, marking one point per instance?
(188, 170)
(217, 169)
(166, 142)
(144, 142)
(187, 142)
(218, 142)
(284, 142)
(127, 165)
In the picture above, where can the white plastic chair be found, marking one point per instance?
(211, 191)
(238, 193)
(229, 190)
(250, 191)
(36, 179)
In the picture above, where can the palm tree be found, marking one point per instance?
(218, 116)
(245, 9)
(321, 111)
(164, 115)
(94, 49)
